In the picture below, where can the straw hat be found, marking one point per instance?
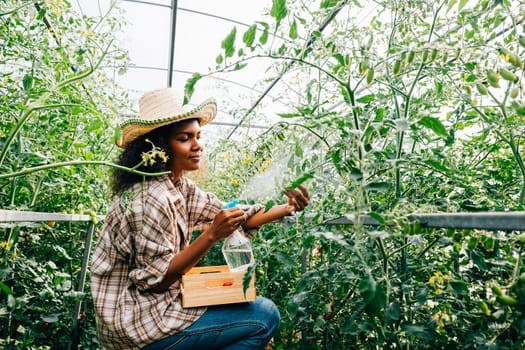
(162, 107)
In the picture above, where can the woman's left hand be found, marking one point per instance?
(298, 200)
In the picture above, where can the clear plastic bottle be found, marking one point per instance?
(237, 251)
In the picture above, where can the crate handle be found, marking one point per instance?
(228, 282)
(208, 272)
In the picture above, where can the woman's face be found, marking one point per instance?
(186, 149)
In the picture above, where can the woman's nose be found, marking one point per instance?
(197, 144)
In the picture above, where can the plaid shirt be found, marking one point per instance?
(144, 229)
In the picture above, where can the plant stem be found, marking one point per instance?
(427, 248)
(8, 12)
(310, 130)
(27, 171)
(38, 104)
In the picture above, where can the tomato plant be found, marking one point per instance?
(57, 108)
(417, 109)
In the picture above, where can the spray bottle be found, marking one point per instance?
(236, 248)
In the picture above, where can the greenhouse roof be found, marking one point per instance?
(185, 37)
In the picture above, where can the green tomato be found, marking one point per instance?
(482, 89)
(508, 75)
(506, 300)
(497, 290)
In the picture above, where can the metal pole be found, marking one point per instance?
(310, 41)
(171, 52)
(75, 335)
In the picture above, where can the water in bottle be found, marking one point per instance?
(237, 251)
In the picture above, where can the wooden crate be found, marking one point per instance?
(215, 285)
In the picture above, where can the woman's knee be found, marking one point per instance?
(268, 312)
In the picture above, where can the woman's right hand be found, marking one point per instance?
(225, 222)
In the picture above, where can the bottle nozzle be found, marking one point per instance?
(231, 204)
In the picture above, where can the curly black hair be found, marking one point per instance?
(121, 179)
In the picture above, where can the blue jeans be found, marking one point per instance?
(236, 326)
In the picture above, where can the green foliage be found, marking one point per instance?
(228, 43)
(278, 11)
(57, 108)
(417, 111)
(249, 35)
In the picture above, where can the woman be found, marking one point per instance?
(145, 248)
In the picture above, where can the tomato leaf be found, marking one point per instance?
(264, 36)
(328, 3)
(228, 43)
(249, 36)
(189, 87)
(117, 135)
(268, 205)
(434, 124)
(289, 115)
(300, 180)
(27, 82)
(377, 217)
(5, 288)
(366, 98)
(246, 280)
(278, 11)
(285, 259)
(293, 30)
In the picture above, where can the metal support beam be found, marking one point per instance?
(75, 336)
(171, 52)
(504, 221)
(310, 41)
(31, 216)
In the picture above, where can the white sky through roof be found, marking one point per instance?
(200, 28)
(197, 43)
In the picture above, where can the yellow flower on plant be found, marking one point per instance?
(432, 280)
(163, 157)
(438, 291)
(439, 319)
(148, 158)
(87, 33)
(56, 6)
(235, 182)
(4, 245)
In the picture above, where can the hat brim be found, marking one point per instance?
(133, 128)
